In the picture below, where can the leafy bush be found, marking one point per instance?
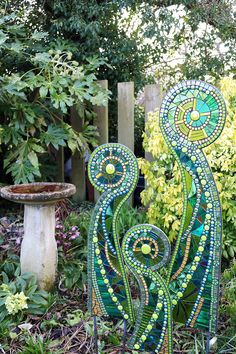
(10, 265)
(72, 260)
(39, 84)
(81, 219)
(163, 194)
(73, 273)
(21, 297)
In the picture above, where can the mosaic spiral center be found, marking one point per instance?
(110, 169)
(194, 115)
(146, 249)
(194, 111)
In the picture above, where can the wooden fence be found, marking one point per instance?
(125, 101)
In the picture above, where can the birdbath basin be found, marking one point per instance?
(39, 248)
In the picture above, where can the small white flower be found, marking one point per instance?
(212, 342)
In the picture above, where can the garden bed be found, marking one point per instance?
(59, 322)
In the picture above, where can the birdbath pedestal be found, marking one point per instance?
(39, 248)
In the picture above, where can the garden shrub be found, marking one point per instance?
(71, 236)
(40, 81)
(163, 194)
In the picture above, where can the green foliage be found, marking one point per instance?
(222, 158)
(72, 266)
(21, 297)
(143, 40)
(81, 218)
(36, 98)
(135, 34)
(75, 317)
(5, 326)
(96, 28)
(163, 194)
(129, 217)
(10, 265)
(229, 294)
(139, 126)
(35, 345)
(73, 270)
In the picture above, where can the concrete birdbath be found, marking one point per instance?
(39, 248)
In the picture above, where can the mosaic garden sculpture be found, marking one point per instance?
(192, 116)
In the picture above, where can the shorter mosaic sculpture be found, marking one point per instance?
(192, 116)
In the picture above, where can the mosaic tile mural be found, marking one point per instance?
(181, 285)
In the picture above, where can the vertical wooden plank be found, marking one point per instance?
(78, 164)
(153, 97)
(60, 165)
(126, 114)
(101, 120)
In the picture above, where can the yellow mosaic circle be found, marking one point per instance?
(110, 169)
(146, 249)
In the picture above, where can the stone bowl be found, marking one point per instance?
(38, 193)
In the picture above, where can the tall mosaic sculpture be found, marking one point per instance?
(192, 116)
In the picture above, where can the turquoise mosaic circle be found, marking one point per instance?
(112, 166)
(194, 111)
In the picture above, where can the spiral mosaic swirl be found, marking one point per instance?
(146, 249)
(193, 111)
(192, 116)
(113, 170)
(112, 166)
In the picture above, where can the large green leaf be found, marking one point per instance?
(54, 135)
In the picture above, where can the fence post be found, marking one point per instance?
(126, 114)
(101, 121)
(60, 165)
(153, 97)
(77, 161)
